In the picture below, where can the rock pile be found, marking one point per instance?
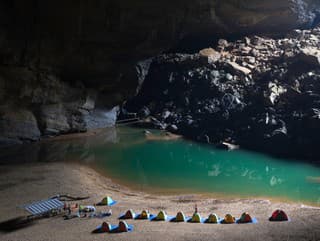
(258, 92)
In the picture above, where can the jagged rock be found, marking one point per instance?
(228, 146)
(239, 68)
(51, 72)
(101, 118)
(172, 128)
(90, 101)
(222, 43)
(247, 40)
(230, 102)
(77, 122)
(212, 55)
(257, 41)
(155, 123)
(53, 119)
(275, 91)
(250, 59)
(272, 107)
(310, 55)
(229, 77)
(18, 125)
(55, 60)
(144, 112)
(142, 69)
(166, 114)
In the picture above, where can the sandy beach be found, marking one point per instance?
(32, 182)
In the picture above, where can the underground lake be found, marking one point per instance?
(177, 166)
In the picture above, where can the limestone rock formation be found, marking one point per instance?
(98, 41)
(18, 125)
(267, 99)
(60, 60)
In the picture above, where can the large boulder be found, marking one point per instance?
(18, 125)
(310, 55)
(101, 118)
(53, 119)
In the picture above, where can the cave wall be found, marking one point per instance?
(60, 60)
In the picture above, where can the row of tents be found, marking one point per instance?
(55, 204)
(277, 215)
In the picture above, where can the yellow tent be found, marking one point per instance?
(107, 201)
(196, 218)
(229, 219)
(144, 214)
(213, 218)
(180, 217)
(162, 216)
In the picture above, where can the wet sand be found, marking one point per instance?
(165, 136)
(31, 182)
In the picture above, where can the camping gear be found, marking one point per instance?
(196, 218)
(180, 217)
(107, 201)
(44, 207)
(145, 215)
(101, 214)
(246, 218)
(124, 227)
(162, 216)
(212, 218)
(279, 215)
(129, 214)
(104, 228)
(228, 219)
(109, 228)
(37, 210)
(86, 209)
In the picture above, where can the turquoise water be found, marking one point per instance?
(184, 167)
(178, 166)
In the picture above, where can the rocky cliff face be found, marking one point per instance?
(259, 93)
(61, 60)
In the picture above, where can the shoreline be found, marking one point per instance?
(163, 136)
(189, 192)
(169, 136)
(43, 180)
(160, 190)
(169, 193)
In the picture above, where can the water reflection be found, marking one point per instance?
(127, 156)
(77, 147)
(179, 165)
(215, 171)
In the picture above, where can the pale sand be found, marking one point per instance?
(27, 183)
(166, 136)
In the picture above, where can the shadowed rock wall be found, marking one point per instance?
(59, 60)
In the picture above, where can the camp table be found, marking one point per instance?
(44, 206)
